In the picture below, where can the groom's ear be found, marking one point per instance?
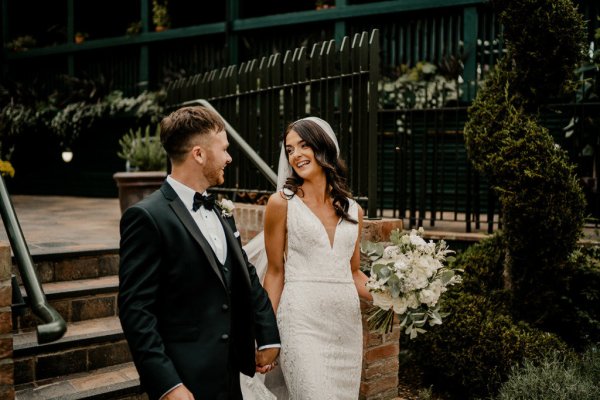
(198, 153)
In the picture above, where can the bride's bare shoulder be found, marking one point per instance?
(277, 202)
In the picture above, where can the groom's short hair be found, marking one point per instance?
(178, 128)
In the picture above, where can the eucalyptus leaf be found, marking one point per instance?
(446, 275)
(394, 288)
(384, 271)
(395, 236)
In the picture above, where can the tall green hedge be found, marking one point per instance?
(542, 202)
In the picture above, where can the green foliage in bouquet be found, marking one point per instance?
(143, 152)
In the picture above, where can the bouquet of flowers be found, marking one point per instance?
(408, 279)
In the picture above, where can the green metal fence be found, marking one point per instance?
(337, 82)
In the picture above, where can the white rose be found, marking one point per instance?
(413, 300)
(400, 305)
(382, 300)
(417, 241)
(428, 297)
(390, 252)
(227, 207)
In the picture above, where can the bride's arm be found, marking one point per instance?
(360, 279)
(275, 236)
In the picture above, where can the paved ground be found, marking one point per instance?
(54, 224)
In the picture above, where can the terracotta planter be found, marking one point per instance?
(134, 186)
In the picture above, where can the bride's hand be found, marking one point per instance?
(265, 359)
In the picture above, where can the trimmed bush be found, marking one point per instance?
(472, 353)
(545, 41)
(574, 313)
(542, 202)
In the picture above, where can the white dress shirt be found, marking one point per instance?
(207, 221)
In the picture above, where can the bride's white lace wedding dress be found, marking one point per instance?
(319, 316)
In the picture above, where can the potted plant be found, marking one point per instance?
(80, 37)
(146, 164)
(134, 28)
(160, 15)
(21, 43)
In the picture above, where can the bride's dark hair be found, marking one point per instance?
(326, 155)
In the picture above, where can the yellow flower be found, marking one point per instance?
(6, 168)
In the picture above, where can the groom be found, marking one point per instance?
(190, 303)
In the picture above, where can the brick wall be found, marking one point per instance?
(6, 340)
(379, 379)
(248, 220)
(380, 352)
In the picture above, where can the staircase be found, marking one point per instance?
(92, 360)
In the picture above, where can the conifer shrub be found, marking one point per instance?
(542, 202)
(545, 41)
(575, 314)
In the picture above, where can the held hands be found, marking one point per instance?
(266, 359)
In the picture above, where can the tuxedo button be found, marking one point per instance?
(225, 307)
(224, 337)
(225, 269)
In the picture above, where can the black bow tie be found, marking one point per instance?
(200, 200)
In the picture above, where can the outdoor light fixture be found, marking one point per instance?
(67, 155)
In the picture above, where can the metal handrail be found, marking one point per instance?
(262, 166)
(54, 327)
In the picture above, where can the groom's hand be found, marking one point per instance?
(265, 359)
(179, 393)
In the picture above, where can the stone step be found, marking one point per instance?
(87, 345)
(115, 382)
(74, 266)
(76, 300)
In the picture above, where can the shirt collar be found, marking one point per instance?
(185, 193)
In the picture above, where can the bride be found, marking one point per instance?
(311, 237)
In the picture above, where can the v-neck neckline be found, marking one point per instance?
(330, 241)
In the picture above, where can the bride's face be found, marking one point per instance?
(301, 156)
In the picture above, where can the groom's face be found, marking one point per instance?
(217, 158)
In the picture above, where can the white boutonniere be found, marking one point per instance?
(226, 207)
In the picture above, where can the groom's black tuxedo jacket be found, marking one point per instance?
(182, 321)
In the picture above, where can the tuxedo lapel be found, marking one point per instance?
(186, 219)
(234, 246)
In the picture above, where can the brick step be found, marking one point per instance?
(74, 266)
(115, 382)
(76, 300)
(87, 345)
